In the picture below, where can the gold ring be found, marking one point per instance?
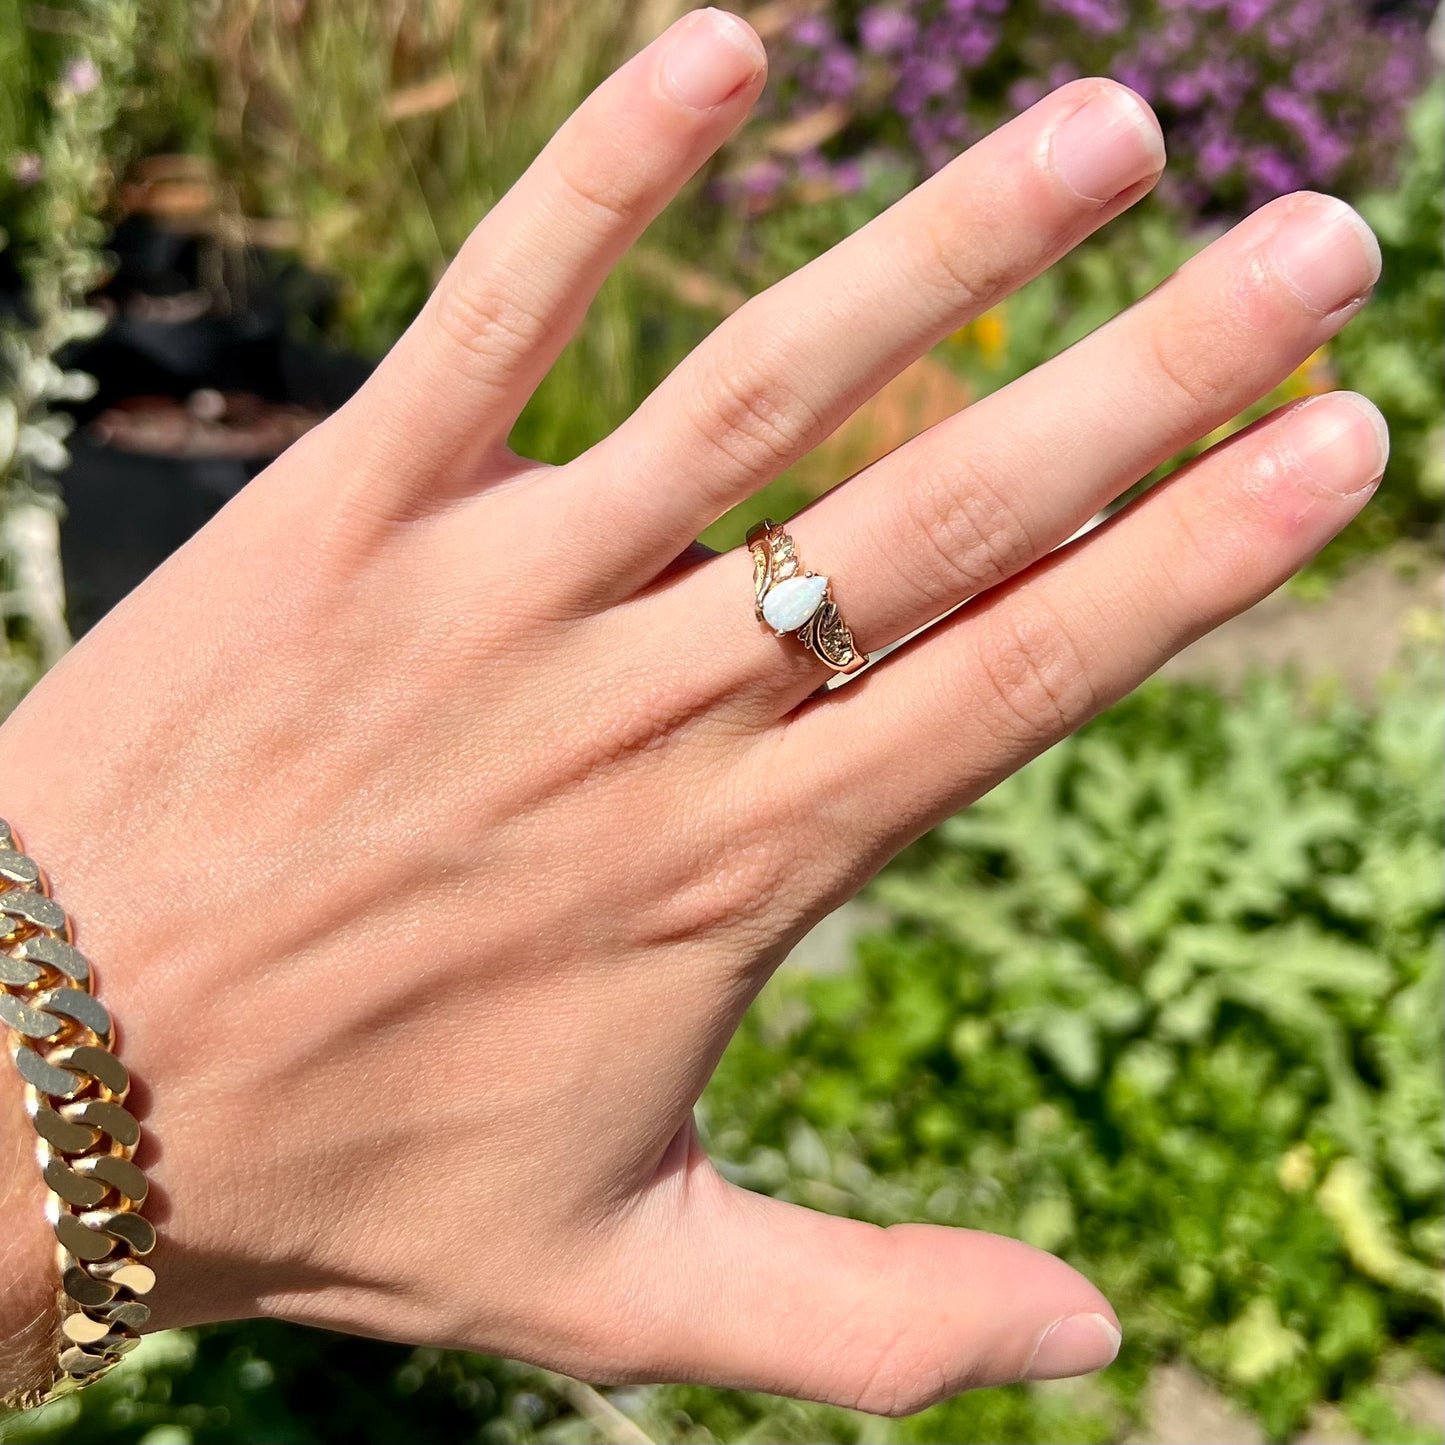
(792, 600)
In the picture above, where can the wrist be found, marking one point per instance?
(88, 796)
(100, 875)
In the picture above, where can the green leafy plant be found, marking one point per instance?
(53, 216)
(1395, 351)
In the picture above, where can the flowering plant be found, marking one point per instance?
(1257, 97)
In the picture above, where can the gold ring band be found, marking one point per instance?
(788, 599)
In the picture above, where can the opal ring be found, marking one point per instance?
(792, 600)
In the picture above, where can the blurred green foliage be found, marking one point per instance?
(1394, 352)
(1115, 1016)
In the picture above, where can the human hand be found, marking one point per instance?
(432, 817)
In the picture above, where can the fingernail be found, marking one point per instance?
(1110, 143)
(1341, 443)
(712, 56)
(1326, 254)
(1074, 1346)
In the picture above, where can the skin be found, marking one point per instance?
(432, 817)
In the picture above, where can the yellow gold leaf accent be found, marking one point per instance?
(829, 636)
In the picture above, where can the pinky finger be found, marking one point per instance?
(1003, 679)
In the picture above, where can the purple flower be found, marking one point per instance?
(1244, 15)
(81, 76)
(812, 31)
(1184, 90)
(1327, 153)
(762, 180)
(1217, 157)
(26, 167)
(976, 43)
(1099, 17)
(886, 31)
(837, 72)
(1273, 171)
(1029, 91)
(1136, 78)
(1288, 107)
(1257, 96)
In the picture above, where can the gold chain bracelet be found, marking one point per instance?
(63, 1044)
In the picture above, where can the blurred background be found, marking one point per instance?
(1169, 1002)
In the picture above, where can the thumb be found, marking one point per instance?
(770, 1296)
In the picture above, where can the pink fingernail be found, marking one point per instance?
(712, 56)
(1326, 254)
(1074, 1345)
(1110, 143)
(1341, 443)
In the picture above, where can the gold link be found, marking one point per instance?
(84, 1008)
(36, 908)
(16, 973)
(44, 1076)
(81, 1241)
(79, 1361)
(33, 1023)
(101, 1065)
(73, 1188)
(84, 1329)
(133, 1314)
(61, 1133)
(116, 1171)
(125, 1225)
(118, 1122)
(85, 1289)
(129, 1273)
(18, 868)
(56, 953)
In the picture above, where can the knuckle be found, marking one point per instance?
(973, 534)
(1217, 543)
(1032, 676)
(969, 276)
(1194, 373)
(488, 328)
(752, 414)
(903, 1377)
(601, 193)
(895, 1391)
(732, 890)
(740, 878)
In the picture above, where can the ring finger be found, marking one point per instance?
(978, 497)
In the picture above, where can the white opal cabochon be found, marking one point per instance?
(788, 605)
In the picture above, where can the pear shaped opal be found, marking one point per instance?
(787, 606)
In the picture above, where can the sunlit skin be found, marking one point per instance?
(432, 817)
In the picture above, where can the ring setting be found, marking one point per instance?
(789, 599)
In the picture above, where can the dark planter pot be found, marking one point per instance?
(126, 511)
